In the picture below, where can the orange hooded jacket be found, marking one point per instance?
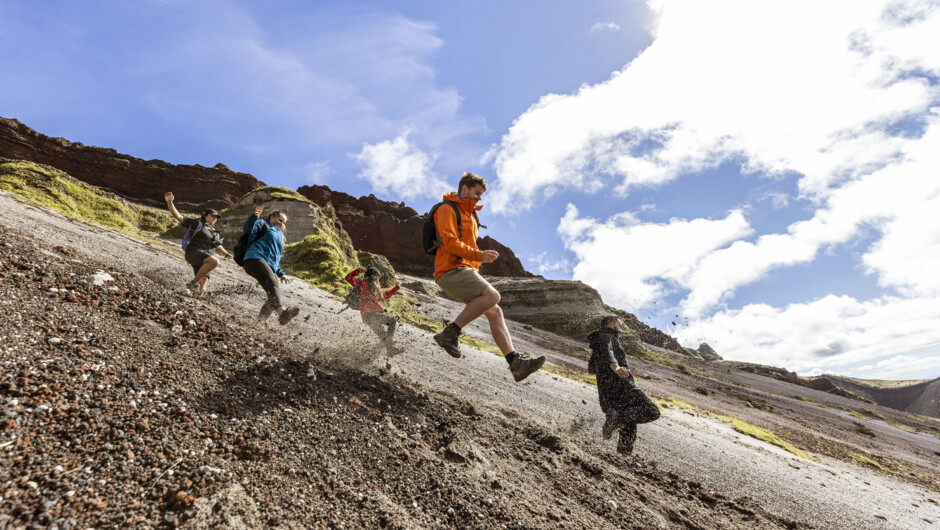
(456, 251)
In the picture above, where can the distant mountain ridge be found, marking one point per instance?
(918, 398)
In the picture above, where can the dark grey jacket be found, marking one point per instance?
(605, 349)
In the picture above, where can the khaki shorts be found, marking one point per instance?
(463, 283)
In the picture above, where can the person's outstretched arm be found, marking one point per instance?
(351, 277)
(252, 224)
(173, 211)
(221, 250)
(392, 291)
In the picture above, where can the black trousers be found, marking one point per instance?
(376, 320)
(633, 407)
(261, 271)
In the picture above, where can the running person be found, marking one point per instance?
(456, 270)
(624, 404)
(263, 258)
(203, 247)
(370, 304)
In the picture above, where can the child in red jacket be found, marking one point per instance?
(370, 303)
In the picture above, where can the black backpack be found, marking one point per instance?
(241, 248)
(429, 237)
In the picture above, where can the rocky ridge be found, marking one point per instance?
(197, 186)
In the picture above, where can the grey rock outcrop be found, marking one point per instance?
(704, 352)
(568, 308)
(304, 218)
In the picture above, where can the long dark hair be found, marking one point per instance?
(373, 286)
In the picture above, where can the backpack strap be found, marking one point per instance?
(457, 213)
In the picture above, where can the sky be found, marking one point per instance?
(760, 176)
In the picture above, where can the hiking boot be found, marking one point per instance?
(266, 311)
(449, 339)
(625, 449)
(192, 287)
(287, 315)
(627, 439)
(611, 424)
(523, 366)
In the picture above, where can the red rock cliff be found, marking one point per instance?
(196, 187)
(394, 231)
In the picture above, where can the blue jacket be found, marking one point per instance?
(267, 247)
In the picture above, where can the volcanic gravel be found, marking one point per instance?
(125, 404)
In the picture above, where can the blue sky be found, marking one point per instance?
(759, 176)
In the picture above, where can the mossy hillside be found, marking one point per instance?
(274, 193)
(871, 414)
(740, 426)
(75, 199)
(665, 360)
(321, 262)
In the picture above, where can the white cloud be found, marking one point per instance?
(399, 168)
(842, 94)
(648, 260)
(827, 334)
(604, 26)
(902, 366)
(543, 263)
(317, 172)
(781, 87)
(331, 79)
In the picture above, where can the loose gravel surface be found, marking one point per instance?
(129, 404)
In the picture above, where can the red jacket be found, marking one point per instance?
(367, 302)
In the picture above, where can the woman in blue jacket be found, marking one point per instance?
(263, 258)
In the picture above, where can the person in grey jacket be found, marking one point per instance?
(624, 404)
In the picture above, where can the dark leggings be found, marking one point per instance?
(635, 407)
(261, 271)
(376, 320)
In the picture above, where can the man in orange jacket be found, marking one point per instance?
(456, 270)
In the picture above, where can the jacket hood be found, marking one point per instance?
(452, 196)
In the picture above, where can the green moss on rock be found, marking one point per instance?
(319, 261)
(75, 199)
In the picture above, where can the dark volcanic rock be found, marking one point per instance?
(394, 231)
(196, 187)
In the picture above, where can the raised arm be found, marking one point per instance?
(392, 291)
(352, 276)
(169, 204)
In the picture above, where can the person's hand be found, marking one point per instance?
(229, 256)
(168, 196)
(285, 279)
(258, 210)
(622, 372)
(489, 256)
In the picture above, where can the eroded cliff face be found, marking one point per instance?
(304, 218)
(568, 308)
(196, 187)
(394, 231)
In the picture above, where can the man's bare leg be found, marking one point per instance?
(499, 330)
(478, 306)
